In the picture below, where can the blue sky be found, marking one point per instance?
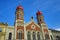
(49, 8)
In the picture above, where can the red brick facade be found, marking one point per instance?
(29, 27)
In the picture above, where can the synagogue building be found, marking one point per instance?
(27, 31)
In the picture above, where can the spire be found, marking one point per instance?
(19, 7)
(19, 3)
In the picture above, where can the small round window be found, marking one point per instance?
(33, 26)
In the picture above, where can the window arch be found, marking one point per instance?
(28, 35)
(34, 36)
(51, 37)
(0, 29)
(46, 36)
(38, 36)
(10, 36)
(57, 38)
(20, 35)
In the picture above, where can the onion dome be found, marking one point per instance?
(19, 7)
(39, 13)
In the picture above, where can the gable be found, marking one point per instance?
(32, 26)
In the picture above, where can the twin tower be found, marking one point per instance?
(34, 31)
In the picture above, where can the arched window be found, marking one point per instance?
(34, 36)
(0, 29)
(28, 35)
(57, 38)
(46, 36)
(20, 35)
(38, 36)
(51, 37)
(10, 36)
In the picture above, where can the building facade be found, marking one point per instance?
(27, 31)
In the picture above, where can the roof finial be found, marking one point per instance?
(19, 6)
(32, 18)
(19, 3)
(6, 24)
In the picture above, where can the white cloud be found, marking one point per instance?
(58, 29)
